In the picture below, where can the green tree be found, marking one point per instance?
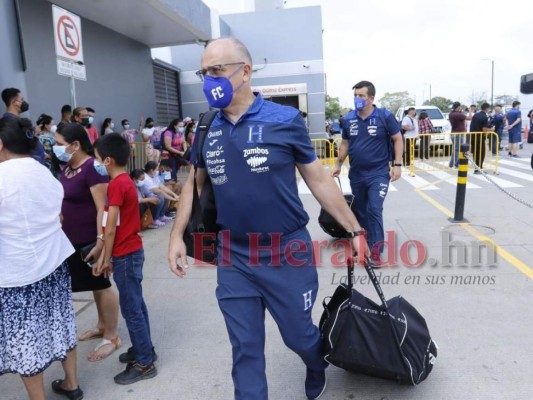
(395, 100)
(333, 107)
(442, 102)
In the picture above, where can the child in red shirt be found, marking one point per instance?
(123, 255)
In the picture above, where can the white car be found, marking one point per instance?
(440, 139)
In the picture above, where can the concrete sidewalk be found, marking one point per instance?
(480, 316)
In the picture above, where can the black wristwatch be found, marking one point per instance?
(397, 164)
(352, 234)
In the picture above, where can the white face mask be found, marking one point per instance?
(166, 175)
(53, 129)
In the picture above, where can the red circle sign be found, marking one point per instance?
(64, 31)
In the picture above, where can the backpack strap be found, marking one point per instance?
(203, 126)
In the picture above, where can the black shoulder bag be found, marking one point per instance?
(200, 235)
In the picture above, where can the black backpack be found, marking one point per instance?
(203, 221)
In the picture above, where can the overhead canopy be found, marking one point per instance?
(156, 23)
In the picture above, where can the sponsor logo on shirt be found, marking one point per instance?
(212, 142)
(216, 161)
(215, 153)
(214, 134)
(354, 128)
(256, 158)
(219, 180)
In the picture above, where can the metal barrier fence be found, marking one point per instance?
(441, 151)
(431, 152)
(138, 158)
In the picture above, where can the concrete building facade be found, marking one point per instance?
(286, 49)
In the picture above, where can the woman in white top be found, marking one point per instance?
(36, 313)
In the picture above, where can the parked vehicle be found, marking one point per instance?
(440, 139)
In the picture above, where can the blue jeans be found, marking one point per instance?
(457, 141)
(128, 275)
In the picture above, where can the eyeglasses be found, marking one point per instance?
(215, 69)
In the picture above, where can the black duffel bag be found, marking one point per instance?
(329, 224)
(200, 235)
(390, 340)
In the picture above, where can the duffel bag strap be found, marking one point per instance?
(371, 274)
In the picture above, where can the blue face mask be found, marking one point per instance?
(61, 153)
(360, 103)
(100, 168)
(218, 90)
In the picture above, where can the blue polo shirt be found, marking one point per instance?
(252, 168)
(369, 139)
(512, 115)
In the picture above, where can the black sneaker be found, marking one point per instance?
(477, 172)
(76, 394)
(315, 383)
(135, 372)
(129, 356)
(515, 156)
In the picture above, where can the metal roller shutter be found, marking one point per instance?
(167, 96)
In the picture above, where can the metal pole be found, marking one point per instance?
(461, 186)
(492, 86)
(72, 87)
(430, 92)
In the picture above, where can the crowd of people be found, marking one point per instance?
(89, 221)
(90, 210)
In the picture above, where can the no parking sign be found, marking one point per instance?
(68, 43)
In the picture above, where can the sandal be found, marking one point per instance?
(96, 333)
(94, 356)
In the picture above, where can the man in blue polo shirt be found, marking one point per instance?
(250, 154)
(366, 137)
(514, 127)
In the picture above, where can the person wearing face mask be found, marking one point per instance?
(91, 128)
(37, 322)
(16, 105)
(46, 137)
(250, 153)
(129, 134)
(370, 136)
(107, 127)
(85, 183)
(175, 143)
(165, 195)
(151, 153)
(145, 197)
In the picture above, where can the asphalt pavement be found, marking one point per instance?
(479, 312)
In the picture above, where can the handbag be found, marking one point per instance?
(329, 224)
(146, 219)
(200, 234)
(390, 340)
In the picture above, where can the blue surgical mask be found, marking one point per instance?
(360, 103)
(127, 126)
(181, 129)
(166, 175)
(218, 90)
(139, 184)
(91, 120)
(100, 168)
(112, 126)
(61, 153)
